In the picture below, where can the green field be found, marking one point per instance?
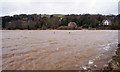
(47, 15)
(59, 15)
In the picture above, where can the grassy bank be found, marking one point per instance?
(114, 64)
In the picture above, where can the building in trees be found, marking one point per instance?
(73, 25)
(106, 22)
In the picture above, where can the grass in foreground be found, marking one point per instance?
(114, 65)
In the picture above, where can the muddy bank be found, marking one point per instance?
(114, 64)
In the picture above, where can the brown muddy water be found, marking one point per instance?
(57, 49)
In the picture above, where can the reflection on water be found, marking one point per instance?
(46, 50)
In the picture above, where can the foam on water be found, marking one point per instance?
(107, 46)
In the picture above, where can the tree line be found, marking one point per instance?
(35, 21)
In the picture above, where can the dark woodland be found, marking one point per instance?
(60, 22)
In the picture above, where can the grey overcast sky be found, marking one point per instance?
(12, 7)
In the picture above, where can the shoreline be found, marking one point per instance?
(114, 64)
(54, 29)
(59, 30)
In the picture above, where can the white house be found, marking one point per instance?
(106, 22)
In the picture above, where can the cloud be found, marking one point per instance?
(11, 7)
(58, 0)
(119, 7)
